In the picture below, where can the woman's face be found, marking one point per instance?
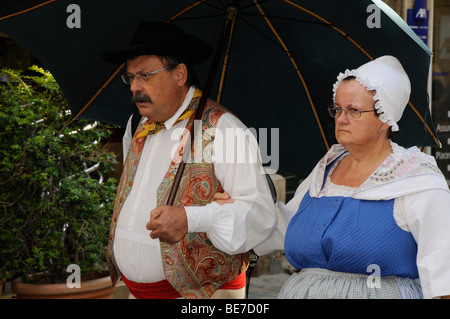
(367, 129)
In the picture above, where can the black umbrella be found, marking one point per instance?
(277, 68)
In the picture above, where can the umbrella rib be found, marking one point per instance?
(223, 9)
(288, 19)
(366, 53)
(188, 8)
(185, 10)
(197, 18)
(332, 26)
(426, 125)
(26, 10)
(260, 32)
(225, 61)
(99, 91)
(251, 5)
(297, 70)
(224, 5)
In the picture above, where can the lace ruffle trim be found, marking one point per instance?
(400, 164)
(369, 86)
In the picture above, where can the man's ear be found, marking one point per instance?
(181, 74)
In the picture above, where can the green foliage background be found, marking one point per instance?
(52, 212)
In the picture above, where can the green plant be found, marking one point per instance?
(54, 210)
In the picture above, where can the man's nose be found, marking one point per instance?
(136, 86)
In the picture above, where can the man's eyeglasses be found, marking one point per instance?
(143, 76)
(334, 111)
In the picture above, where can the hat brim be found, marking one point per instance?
(191, 49)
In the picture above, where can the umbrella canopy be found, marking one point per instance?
(280, 61)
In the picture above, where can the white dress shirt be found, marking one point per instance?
(232, 228)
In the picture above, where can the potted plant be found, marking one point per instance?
(56, 197)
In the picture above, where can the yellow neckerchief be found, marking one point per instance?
(151, 127)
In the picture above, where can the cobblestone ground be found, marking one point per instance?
(266, 286)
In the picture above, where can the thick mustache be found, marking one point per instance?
(140, 98)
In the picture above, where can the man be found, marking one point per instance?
(195, 248)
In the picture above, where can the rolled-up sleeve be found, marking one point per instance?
(251, 219)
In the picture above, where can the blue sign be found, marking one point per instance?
(417, 19)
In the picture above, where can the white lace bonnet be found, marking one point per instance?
(387, 76)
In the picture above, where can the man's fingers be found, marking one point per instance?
(222, 198)
(154, 234)
(168, 223)
(155, 213)
(154, 227)
(150, 225)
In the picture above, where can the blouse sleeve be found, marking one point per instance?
(427, 216)
(285, 212)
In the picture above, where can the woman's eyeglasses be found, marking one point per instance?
(334, 111)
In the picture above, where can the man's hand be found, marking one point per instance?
(222, 198)
(168, 223)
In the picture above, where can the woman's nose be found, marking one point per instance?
(343, 118)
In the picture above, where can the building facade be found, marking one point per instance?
(430, 19)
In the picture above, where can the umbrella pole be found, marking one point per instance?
(209, 82)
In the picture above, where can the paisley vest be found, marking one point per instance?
(193, 266)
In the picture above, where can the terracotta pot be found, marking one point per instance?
(100, 288)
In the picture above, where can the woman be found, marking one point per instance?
(372, 218)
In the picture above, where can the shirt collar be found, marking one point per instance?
(170, 122)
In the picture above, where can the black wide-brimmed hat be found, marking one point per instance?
(165, 39)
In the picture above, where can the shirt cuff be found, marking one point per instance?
(199, 218)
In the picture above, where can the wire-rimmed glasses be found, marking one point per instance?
(141, 77)
(334, 111)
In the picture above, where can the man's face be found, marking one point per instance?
(160, 95)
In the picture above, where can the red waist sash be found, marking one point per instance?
(238, 283)
(164, 290)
